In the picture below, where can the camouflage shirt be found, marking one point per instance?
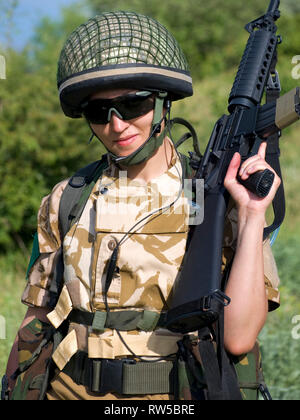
(151, 248)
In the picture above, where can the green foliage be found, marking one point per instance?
(205, 30)
(39, 145)
(280, 348)
(210, 33)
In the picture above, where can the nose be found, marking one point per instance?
(117, 124)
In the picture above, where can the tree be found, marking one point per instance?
(39, 146)
(7, 8)
(210, 33)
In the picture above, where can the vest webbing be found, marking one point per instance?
(124, 376)
(119, 320)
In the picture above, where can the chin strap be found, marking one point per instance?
(154, 141)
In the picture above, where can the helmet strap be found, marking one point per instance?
(154, 141)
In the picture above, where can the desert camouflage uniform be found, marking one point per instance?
(149, 260)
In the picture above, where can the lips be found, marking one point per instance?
(125, 141)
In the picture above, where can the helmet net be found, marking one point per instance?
(115, 38)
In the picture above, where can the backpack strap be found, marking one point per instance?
(71, 206)
(77, 192)
(187, 170)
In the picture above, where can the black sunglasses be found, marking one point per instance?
(127, 107)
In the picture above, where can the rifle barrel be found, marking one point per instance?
(274, 5)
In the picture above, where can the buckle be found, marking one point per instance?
(217, 295)
(273, 83)
(106, 375)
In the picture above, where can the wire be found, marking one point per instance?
(111, 269)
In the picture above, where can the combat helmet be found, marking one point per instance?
(120, 50)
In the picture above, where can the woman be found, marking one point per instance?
(121, 71)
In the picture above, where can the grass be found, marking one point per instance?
(11, 309)
(280, 343)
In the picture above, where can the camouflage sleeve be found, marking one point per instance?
(36, 292)
(270, 270)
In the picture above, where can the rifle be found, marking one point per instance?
(197, 296)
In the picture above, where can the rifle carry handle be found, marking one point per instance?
(259, 183)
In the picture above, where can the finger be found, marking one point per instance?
(260, 165)
(234, 166)
(261, 154)
(262, 150)
(232, 170)
(249, 163)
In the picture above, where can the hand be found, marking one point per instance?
(242, 196)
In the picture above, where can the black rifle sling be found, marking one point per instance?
(72, 203)
(220, 375)
(273, 154)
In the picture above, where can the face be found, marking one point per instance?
(122, 137)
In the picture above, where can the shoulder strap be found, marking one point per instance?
(72, 203)
(273, 90)
(77, 192)
(187, 170)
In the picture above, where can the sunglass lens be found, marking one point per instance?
(129, 107)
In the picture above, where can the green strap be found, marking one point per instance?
(148, 378)
(148, 321)
(153, 143)
(188, 172)
(86, 190)
(141, 378)
(99, 321)
(34, 254)
(120, 320)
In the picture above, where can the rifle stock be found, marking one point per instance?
(203, 277)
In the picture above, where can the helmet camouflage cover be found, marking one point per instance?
(120, 50)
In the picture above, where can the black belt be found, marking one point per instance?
(124, 376)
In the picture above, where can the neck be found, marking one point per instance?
(155, 166)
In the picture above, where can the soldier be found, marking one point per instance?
(121, 71)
